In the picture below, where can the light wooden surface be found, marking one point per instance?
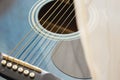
(102, 46)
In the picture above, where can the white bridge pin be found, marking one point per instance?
(14, 67)
(4, 62)
(32, 74)
(9, 64)
(26, 72)
(20, 69)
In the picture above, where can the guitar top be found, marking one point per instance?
(38, 27)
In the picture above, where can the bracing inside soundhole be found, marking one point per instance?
(58, 17)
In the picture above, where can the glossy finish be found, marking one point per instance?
(14, 24)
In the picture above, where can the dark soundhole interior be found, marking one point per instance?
(58, 20)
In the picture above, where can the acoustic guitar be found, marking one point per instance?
(39, 40)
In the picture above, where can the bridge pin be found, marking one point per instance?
(26, 72)
(14, 67)
(20, 69)
(9, 64)
(32, 74)
(4, 62)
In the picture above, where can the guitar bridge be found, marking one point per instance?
(19, 62)
(15, 69)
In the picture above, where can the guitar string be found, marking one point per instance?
(43, 48)
(57, 22)
(45, 56)
(47, 45)
(60, 17)
(26, 43)
(30, 50)
(26, 35)
(59, 44)
(19, 43)
(53, 12)
(57, 30)
(47, 62)
(53, 20)
(49, 10)
(23, 47)
(70, 22)
(32, 44)
(34, 35)
(34, 52)
(43, 24)
(48, 52)
(62, 32)
(27, 50)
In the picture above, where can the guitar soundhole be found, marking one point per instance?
(58, 20)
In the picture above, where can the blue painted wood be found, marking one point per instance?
(14, 25)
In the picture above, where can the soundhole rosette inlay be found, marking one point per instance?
(39, 28)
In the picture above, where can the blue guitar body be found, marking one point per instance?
(17, 18)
